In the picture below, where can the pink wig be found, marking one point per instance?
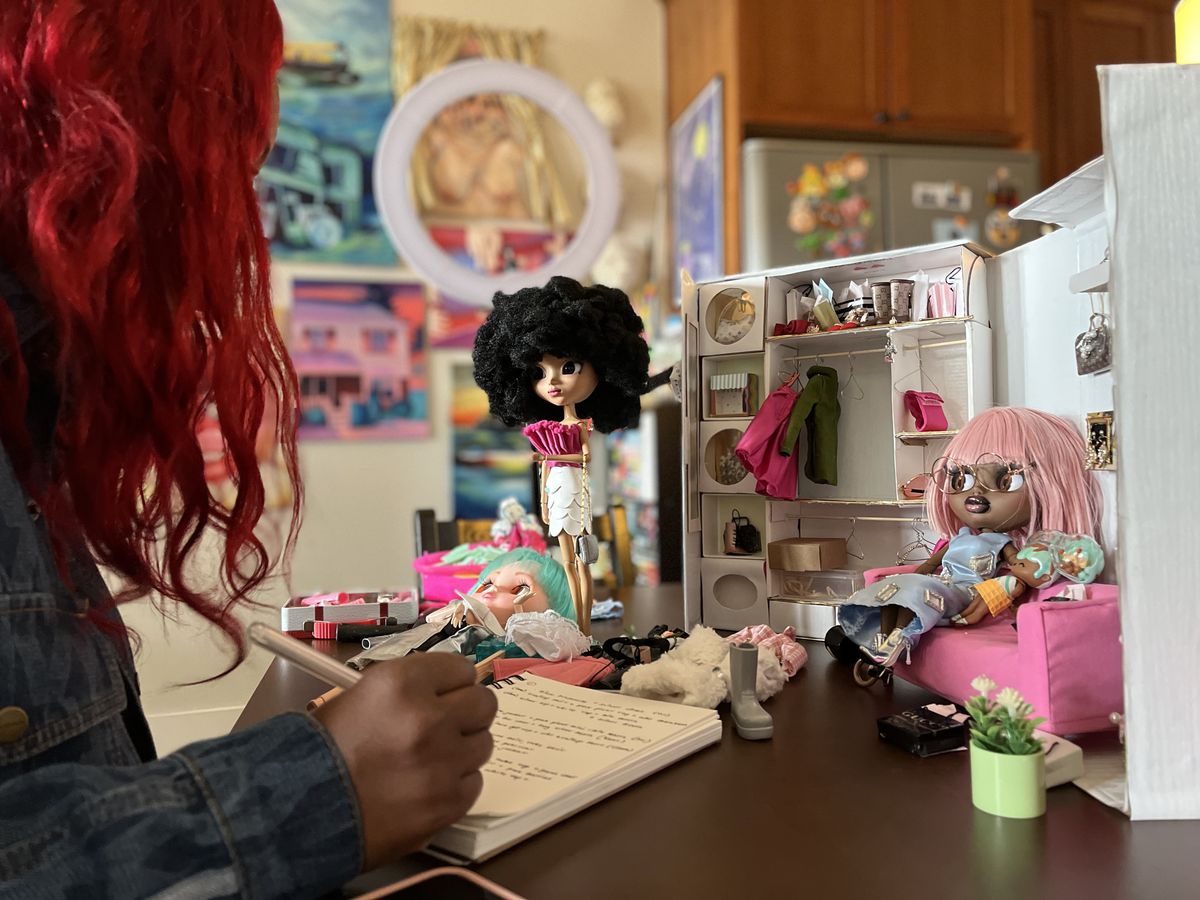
(1063, 496)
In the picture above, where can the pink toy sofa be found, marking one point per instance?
(1064, 658)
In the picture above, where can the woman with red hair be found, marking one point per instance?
(134, 293)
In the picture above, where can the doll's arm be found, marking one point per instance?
(585, 452)
(542, 490)
(932, 564)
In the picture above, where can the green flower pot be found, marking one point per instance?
(1007, 785)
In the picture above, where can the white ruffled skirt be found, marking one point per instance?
(565, 504)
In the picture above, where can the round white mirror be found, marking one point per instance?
(403, 131)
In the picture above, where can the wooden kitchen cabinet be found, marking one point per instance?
(811, 63)
(961, 70)
(887, 70)
(1071, 38)
(893, 68)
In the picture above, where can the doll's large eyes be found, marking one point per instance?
(570, 367)
(1009, 481)
(959, 479)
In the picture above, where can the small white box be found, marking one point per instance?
(400, 605)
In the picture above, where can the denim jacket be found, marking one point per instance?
(85, 809)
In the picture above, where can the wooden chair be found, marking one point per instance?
(612, 528)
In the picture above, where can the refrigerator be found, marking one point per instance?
(806, 201)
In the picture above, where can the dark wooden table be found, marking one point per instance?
(824, 809)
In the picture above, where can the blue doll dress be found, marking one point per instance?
(969, 559)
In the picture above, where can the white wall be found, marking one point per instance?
(1151, 117)
(1036, 319)
(361, 496)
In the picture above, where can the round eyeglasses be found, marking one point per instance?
(988, 473)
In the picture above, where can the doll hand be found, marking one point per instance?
(974, 613)
(538, 457)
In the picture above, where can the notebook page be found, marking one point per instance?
(549, 736)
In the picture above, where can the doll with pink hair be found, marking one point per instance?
(1009, 473)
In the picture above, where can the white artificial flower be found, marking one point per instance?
(1011, 700)
(984, 685)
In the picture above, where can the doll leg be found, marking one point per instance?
(567, 544)
(892, 617)
(586, 590)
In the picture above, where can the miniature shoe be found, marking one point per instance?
(753, 723)
(886, 652)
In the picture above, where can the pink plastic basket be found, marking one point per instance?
(440, 581)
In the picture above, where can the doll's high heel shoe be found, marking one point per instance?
(886, 652)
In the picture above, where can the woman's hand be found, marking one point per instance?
(414, 734)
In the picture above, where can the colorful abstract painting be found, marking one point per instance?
(491, 461)
(359, 349)
(698, 187)
(453, 323)
(315, 189)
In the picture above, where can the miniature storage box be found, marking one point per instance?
(806, 554)
(348, 607)
(832, 585)
(734, 394)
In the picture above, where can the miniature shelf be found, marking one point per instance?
(1089, 280)
(841, 502)
(870, 337)
(921, 438)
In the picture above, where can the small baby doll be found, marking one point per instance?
(1047, 556)
(515, 527)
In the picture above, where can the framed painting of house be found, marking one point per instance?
(358, 343)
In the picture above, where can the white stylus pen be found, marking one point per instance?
(316, 664)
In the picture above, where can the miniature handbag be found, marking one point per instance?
(587, 548)
(1093, 349)
(926, 409)
(741, 537)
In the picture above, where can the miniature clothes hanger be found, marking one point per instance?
(861, 554)
(852, 380)
(919, 545)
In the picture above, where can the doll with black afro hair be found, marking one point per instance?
(551, 359)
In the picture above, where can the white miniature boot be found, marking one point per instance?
(752, 721)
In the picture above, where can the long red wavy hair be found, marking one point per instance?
(132, 134)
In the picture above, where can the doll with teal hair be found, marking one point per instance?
(521, 604)
(523, 599)
(524, 580)
(1046, 557)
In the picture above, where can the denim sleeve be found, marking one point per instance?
(266, 812)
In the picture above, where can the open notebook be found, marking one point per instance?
(560, 748)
